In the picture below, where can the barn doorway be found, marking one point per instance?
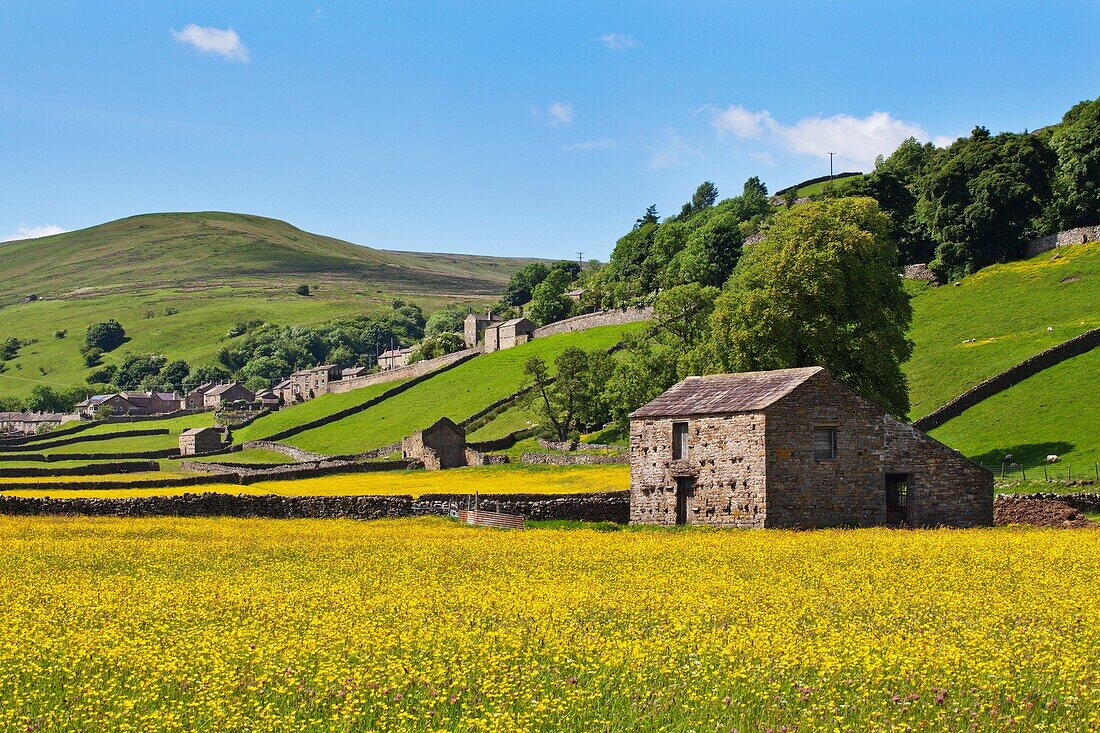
(897, 498)
(685, 488)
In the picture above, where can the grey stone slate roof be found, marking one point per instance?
(724, 394)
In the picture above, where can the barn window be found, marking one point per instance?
(824, 444)
(679, 441)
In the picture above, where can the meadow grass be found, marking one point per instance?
(502, 479)
(308, 411)
(260, 456)
(1055, 412)
(457, 393)
(169, 624)
(1007, 310)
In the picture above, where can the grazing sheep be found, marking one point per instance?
(1050, 328)
(1052, 458)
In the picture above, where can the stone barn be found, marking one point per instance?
(196, 441)
(443, 445)
(499, 336)
(793, 448)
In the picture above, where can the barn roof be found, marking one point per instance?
(726, 393)
(222, 388)
(198, 431)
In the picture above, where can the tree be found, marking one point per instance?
(102, 375)
(684, 312)
(173, 374)
(821, 289)
(202, 375)
(44, 399)
(576, 397)
(135, 368)
(447, 320)
(439, 345)
(549, 302)
(302, 289)
(649, 217)
(93, 356)
(106, 336)
(705, 196)
(1076, 142)
(523, 282)
(979, 201)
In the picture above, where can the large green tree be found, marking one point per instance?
(821, 289)
(548, 301)
(575, 398)
(1076, 142)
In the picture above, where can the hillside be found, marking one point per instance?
(1007, 311)
(178, 282)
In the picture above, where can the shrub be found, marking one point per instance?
(105, 336)
(302, 290)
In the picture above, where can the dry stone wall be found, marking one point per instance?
(593, 320)
(419, 369)
(1080, 235)
(604, 507)
(1009, 377)
(573, 459)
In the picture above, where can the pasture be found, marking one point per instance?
(425, 625)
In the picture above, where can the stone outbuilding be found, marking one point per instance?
(224, 394)
(473, 327)
(793, 448)
(500, 336)
(442, 445)
(196, 441)
(394, 358)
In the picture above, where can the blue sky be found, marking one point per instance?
(495, 128)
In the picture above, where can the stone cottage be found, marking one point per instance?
(394, 358)
(793, 448)
(500, 336)
(442, 445)
(193, 400)
(196, 441)
(473, 327)
(223, 394)
(309, 383)
(106, 404)
(33, 422)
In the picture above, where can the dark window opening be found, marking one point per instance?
(679, 441)
(897, 492)
(824, 444)
(685, 489)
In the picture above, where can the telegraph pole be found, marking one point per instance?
(580, 259)
(831, 167)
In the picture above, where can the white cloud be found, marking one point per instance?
(855, 140)
(560, 113)
(224, 43)
(602, 143)
(26, 232)
(618, 41)
(672, 153)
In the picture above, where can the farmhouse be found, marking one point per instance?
(32, 422)
(152, 403)
(443, 445)
(792, 448)
(193, 400)
(394, 358)
(473, 328)
(511, 333)
(308, 383)
(114, 404)
(196, 441)
(223, 394)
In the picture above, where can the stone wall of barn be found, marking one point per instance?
(847, 490)
(725, 456)
(945, 488)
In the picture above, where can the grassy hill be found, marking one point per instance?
(457, 394)
(1007, 309)
(1057, 411)
(177, 282)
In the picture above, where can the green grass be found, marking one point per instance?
(1007, 309)
(1057, 412)
(309, 411)
(175, 425)
(259, 456)
(517, 417)
(457, 394)
(214, 270)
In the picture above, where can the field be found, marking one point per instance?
(1007, 310)
(457, 394)
(424, 625)
(177, 282)
(175, 426)
(1057, 412)
(505, 479)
